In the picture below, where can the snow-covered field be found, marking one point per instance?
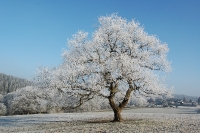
(180, 119)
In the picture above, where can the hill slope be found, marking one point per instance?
(10, 83)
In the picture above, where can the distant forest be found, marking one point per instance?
(10, 83)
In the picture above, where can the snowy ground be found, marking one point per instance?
(182, 119)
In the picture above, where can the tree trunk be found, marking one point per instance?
(118, 109)
(117, 116)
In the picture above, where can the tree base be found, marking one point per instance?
(117, 120)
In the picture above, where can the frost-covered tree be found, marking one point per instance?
(3, 109)
(1, 98)
(138, 101)
(165, 103)
(119, 60)
(184, 99)
(24, 101)
(31, 100)
(198, 100)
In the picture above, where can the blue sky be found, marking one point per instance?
(34, 32)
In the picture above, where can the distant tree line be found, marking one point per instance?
(10, 83)
(185, 97)
(34, 100)
(176, 100)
